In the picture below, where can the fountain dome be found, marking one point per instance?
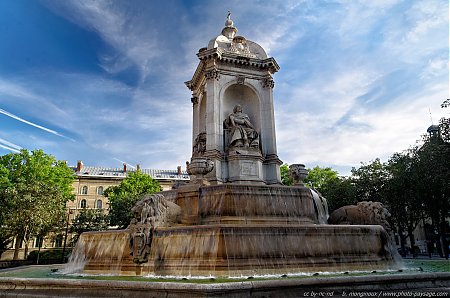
(229, 42)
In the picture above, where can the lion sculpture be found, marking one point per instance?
(363, 213)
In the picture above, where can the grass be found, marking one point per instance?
(429, 265)
(412, 265)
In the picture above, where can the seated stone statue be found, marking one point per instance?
(242, 133)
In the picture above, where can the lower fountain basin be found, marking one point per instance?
(235, 250)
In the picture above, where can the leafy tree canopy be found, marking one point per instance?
(319, 177)
(125, 195)
(370, 179)
(444, 123)
(34, 190)
(285, 179)
(89, 220)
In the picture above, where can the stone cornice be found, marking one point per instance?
(233, 58)
(219, 55)
(272, 158)
(196, 78)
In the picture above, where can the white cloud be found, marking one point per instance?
(132, 38)
(393, 128)
(14, 91)
(332, 54)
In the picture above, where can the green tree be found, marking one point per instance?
(34, 190)
(125, 195)
(318, 177)
(444, 123)
(89, 220)
(402, 195)
(370, 180)
(433, 166)
(339, 191)
(285, 179)
(5, 234)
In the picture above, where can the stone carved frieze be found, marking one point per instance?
(268, 82)
(194, 100)
(199, 147)
(240, 80)
(149, 213)
(241, 132)
(212, 74)
(239, 46)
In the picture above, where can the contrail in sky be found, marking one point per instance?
(33, 124)
(123, 162)
(9, 146)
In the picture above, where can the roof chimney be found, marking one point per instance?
(138, 167)
(79, 166)
(124, 167)
(179, 170)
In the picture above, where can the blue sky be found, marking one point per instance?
(103, 81)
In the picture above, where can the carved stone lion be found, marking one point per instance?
(364, 213)
(150, 212)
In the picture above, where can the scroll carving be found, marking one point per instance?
(268, 82)
(212, 74)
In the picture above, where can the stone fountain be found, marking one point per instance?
(234, 218)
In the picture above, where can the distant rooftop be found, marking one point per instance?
(88, 171)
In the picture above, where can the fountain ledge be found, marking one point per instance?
(35, 287)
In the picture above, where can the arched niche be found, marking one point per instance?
(247, 98)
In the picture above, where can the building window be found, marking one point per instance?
(99, 204)
(83, 203)
(38, 241)
(84, 190)
(100, 190)
(58, 241)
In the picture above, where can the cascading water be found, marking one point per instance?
(98, 251)
(235, 230)
(321, 207)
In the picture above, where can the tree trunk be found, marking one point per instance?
(443, 240)
(26, 240)
(25, 252)
(19, 240)
(412, 240)
(402, 242)
(39, 251)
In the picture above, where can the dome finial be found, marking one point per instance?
(229, 30)
(229, 22)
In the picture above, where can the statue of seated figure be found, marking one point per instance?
(242, 133)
